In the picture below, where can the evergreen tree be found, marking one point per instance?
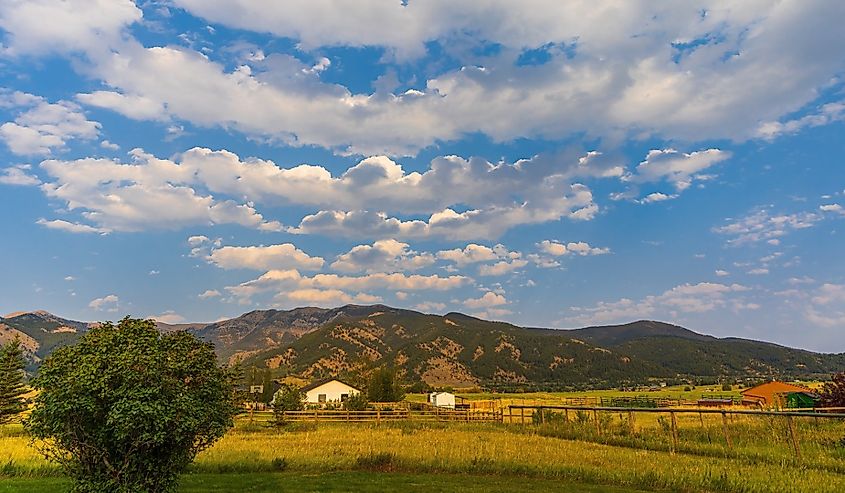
(267, 382)
(12, 388)
(238, 383)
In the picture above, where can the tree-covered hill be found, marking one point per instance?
(460, 350)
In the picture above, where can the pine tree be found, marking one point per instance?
(12, 388)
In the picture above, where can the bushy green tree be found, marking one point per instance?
(12, 388)
(126, 409)
(384, 386)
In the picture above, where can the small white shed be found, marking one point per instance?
(442, 399)
(326, 391)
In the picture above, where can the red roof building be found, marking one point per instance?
(770, 394)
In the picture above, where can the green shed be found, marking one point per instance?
(801, 400)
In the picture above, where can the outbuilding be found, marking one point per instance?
(327, 391)
(802, 400)
(442, 399)
(770, 394)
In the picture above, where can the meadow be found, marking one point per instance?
(552, 456)
(682, 392)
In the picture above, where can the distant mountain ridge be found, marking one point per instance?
(459, 350)
(40, 332)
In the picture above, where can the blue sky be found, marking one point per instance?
(553, 164)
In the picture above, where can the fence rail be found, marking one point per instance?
(821, 412)
(380, 415)
(523, 415)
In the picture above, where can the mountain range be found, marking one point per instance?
(459, 350)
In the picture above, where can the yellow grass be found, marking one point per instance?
(508, 451)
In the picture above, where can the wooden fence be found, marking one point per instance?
(381, 415)
(637, 401)
(524, 415)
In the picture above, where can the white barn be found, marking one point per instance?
(442, 399)
(326, 391)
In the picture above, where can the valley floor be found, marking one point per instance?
(470, 457)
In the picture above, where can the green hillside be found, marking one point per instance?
(42, 332)
(459, 350)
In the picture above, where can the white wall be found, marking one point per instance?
(442, 399)
(333, 390)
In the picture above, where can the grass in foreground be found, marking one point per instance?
(345, 481)
(504, 454)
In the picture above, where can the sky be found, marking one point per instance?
(546, 163)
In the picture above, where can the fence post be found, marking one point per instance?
(793, 437)
(674, 431)
(522, 414)
(725, 430)
(542, 416)
(378, 416)
(566, 415)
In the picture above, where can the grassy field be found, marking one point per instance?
(437, 456)
(344, 481)
(672, 392)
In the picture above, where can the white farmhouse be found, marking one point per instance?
(442, 399)
(325, 391)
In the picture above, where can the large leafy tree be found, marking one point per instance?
(12, 387)
(126, 409)
(384, 386)
(833, 392)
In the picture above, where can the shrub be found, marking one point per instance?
(279, 464)
(382, 462)
(126, 409)
(726, 387)
(833, 392)
(582, 417)
(356, 402)
(287, 398)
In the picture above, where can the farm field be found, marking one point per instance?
(435, 456)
